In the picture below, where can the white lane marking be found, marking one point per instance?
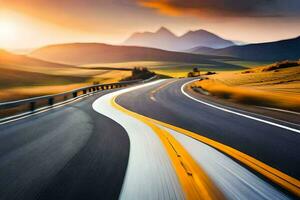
(236, 113)
(235, 181)
(150, 174)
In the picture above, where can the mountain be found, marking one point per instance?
(165, 39)
(91, 53)
(162, 39)
(271, 51)
(203, 38)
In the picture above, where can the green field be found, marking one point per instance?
(23, 76)
(177, 69)
(247, 64)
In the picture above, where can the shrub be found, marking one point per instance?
(281, 65)
(139, 73)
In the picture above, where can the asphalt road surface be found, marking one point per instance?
(70, 152)
(274, 146)
(96, 148)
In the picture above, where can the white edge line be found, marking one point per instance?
(236, 113)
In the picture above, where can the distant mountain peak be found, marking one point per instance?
(163, 38)
(164, 31)
(200, 33)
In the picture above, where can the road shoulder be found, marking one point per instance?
(270, 113)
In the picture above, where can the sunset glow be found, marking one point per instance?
(8, 31)
(47, 22)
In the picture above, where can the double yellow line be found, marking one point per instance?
(195, 183)
(287, 182)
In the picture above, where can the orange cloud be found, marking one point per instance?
(180, 8)
(231, 8)
(163, 7)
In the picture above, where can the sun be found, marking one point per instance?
(8, 30)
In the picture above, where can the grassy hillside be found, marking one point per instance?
(276, 85)
(17, 70)
(91, 53)
(22, 77)
(271, 51)
(178, 69)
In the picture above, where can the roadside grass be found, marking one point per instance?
(17, 78)
(32, 91)
(174, 74)
(247, 64)
(275, 88)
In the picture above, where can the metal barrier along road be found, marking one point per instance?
(32, 104)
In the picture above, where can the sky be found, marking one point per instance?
(34, 23)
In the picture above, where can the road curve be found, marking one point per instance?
(108, 146)
(150, 174)
(272, 145)
(67, 153)
(235, 181)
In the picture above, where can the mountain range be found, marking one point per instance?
(271, 51)
(165, 39)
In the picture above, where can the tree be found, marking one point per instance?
(195, 69)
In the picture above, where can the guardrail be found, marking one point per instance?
(32, 104)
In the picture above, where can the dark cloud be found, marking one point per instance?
(240, 8)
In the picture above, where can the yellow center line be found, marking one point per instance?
(195, 183)
(289, 183)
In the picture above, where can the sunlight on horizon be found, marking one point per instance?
(54, 22)
(8, 30)
(19, 31)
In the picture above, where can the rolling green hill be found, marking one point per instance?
(91, 53)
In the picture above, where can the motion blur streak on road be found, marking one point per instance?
(73, 152)
(277, 147)
(194, 181)
(234, 180)
(150, 174)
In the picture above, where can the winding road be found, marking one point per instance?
(149, 141)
